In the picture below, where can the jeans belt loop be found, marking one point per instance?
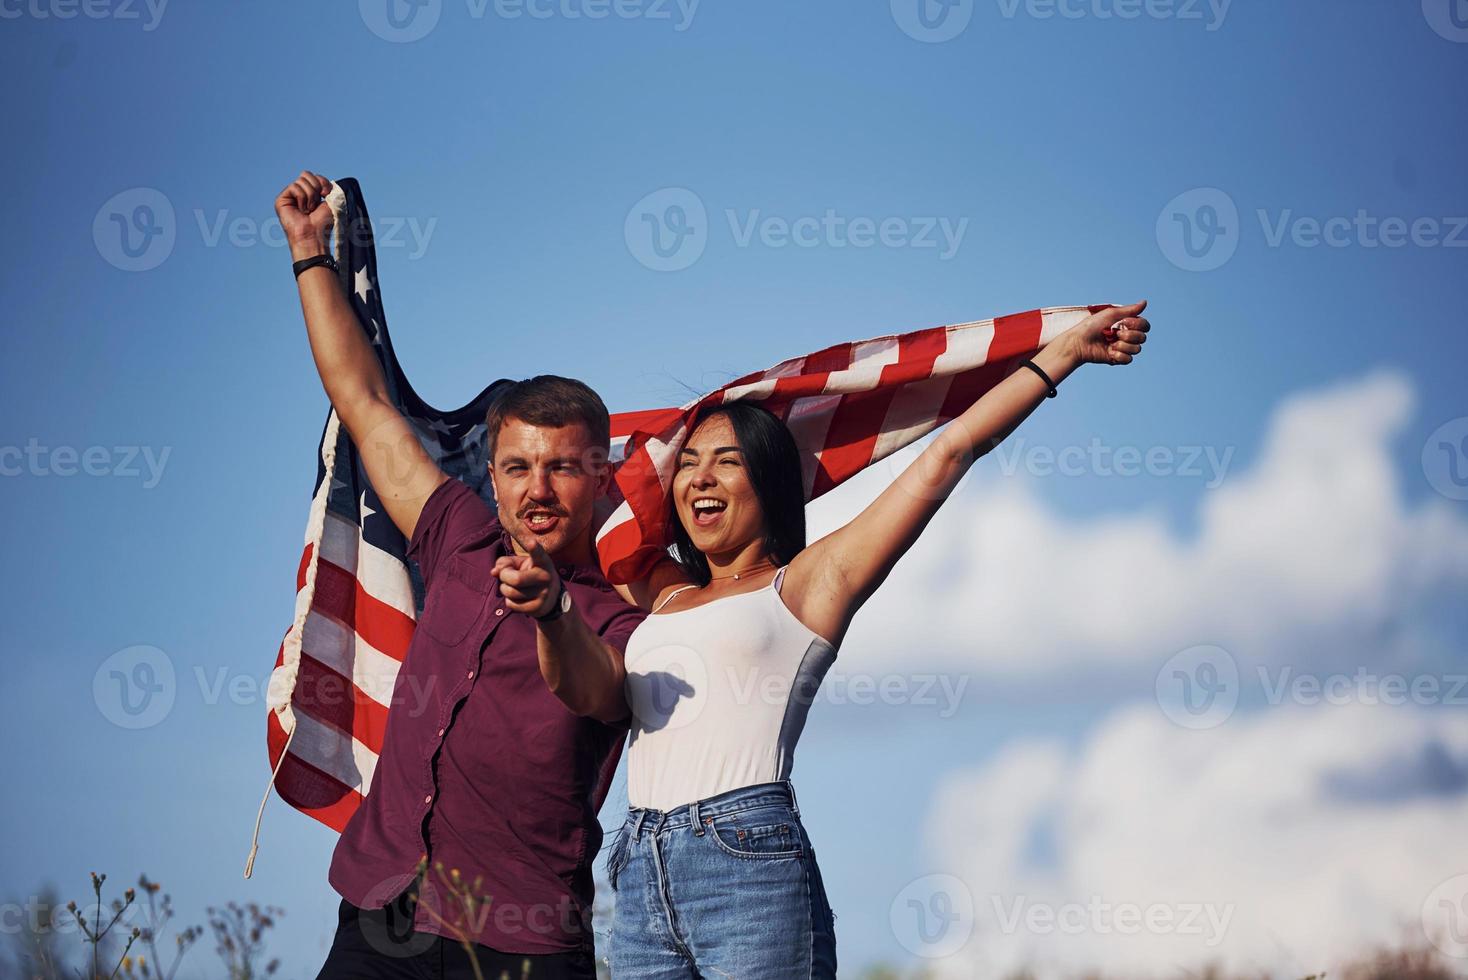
(637, 824)
(794, 806)
(694, 816)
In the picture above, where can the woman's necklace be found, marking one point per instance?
(765, 563)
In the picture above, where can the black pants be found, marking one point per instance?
(381, 943)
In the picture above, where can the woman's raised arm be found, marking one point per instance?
(830, 580)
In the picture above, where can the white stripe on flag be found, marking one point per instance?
(372, 671)
(912, 415)
(338, 755)
(809, 420)
(867, 361)
(382, 576)
(966, 347)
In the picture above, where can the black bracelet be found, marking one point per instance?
(555, 612)
(1036, 368)
(302, 265)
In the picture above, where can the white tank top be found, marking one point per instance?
(719, 695)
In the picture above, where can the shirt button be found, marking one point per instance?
(428, 799)
(499, 612)
(471, 673)
(440, 733)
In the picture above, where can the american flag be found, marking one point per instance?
(358, 597)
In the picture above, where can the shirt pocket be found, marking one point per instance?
(454, 601)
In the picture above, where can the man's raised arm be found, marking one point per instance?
(402, 474)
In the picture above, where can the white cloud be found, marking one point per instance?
(1316, 544)
(1240, 838)
(1283, 839)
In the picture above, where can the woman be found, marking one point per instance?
(714, 872)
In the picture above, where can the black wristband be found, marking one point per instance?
(1036, 368)
(302, 265)
(555, 612)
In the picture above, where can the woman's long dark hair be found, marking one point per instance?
(773, 464)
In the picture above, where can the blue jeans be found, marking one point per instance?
(724, 887)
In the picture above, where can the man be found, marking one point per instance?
(483, 769)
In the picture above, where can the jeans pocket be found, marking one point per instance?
(751, 834)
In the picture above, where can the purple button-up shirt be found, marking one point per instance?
(482, 767)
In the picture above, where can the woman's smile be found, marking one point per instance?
(708, 511)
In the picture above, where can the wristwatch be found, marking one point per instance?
(562, 606)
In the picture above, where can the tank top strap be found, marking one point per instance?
(780, 578)
(671, 596)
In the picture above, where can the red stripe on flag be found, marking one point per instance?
(916, 354)
(799, 386)
(857, 423)
(850, 438)
(837, 357)
(336, 593)
(625, 553)
(308, 789)
(301, 569)
(334, 700)
(652, 420)
(340, 597)
(1016, 334)
(383, 626)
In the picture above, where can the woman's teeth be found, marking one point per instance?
(706, 512)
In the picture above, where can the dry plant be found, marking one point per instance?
(470, 907)
(239, 934)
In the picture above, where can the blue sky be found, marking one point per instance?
(1067, 148)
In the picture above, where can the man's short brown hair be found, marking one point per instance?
(551, 401)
